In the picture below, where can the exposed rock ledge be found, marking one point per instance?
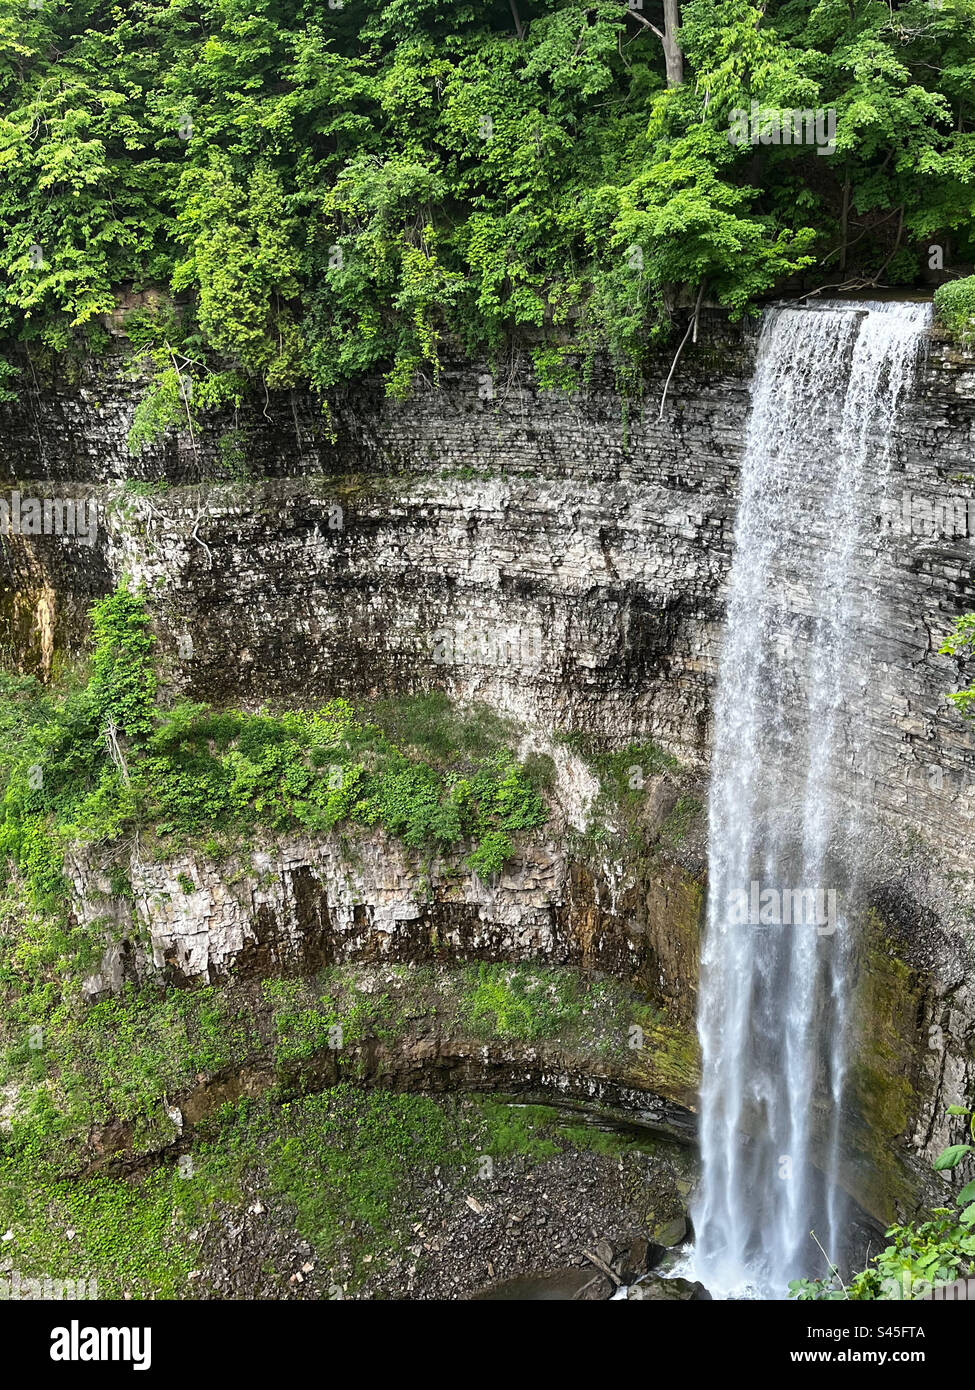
(430, 1063)
(302, 904)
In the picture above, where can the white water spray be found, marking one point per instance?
(774, 1002)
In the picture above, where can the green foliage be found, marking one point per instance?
(539, 1131)
(618, 821)
(955, 303)
(431, 727)
(304, 1027)
(335, 1185)
(70, 1067)
(919, 1256)
(350, 1170)
(961, 644)
(123, 682)
(65, 776)
(517, 1002)
(301, 195)
(104, 760)
(347, 1167)
(681, 818)
(162, 406)
(624, 772)
(338, 1160)
(205, 769)
(67, 1067)
(125, 1234)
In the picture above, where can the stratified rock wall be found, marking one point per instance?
(563, 559)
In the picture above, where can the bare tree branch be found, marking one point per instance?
(646, 24)
(691, 328)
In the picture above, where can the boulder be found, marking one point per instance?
(653, 1289)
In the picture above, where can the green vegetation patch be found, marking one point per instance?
(128, 1236)
(961, 644)
(341, 1161)
(349, 1170)
(519, 1002)
(540, 1131)
(69, 1069)
(621, 819)
(102, 762)
(281, 195)
(955, 303)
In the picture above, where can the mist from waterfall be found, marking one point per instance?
(790, 788)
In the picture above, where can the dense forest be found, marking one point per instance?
(296, 193)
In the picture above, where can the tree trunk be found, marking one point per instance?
(845, 218)
(673, 56)
(519, 27)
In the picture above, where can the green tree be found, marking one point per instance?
(301, 194)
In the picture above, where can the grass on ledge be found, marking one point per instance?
(67, 1068)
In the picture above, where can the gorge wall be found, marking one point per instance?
(563, 559)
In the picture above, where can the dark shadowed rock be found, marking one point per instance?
(637, 1258)
(653, 1289)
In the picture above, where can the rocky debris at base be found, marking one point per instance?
(536, 1223)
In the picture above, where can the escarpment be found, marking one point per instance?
(562, 559)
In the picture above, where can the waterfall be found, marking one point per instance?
(790, 789)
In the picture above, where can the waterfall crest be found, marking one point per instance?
(783, 822)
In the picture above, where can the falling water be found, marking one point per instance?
(785, 807)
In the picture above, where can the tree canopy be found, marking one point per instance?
(299, 191)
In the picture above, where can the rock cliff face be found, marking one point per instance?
(563, 559)
(547, 554)
(301, 904)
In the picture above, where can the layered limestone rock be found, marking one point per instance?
(301, 903)
(563, 559)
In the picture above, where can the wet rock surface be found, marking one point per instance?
(654, 1290)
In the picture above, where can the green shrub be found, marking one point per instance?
(961, 643)
(105, 760)
(955, 303)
